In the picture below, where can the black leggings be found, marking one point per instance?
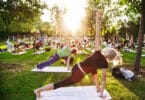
(75, 77)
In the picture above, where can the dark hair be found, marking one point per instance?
(74, 51)
(116, 72)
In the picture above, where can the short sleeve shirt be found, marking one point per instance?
(64, 52)
(96, 60)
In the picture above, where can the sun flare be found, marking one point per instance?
(75, 12)
(72, 21)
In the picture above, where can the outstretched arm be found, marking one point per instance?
(103, 82)
(98, 31)
(96, 82)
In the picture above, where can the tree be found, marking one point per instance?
(21, 11)
(113, 13)
(140, 37)
(57, 19)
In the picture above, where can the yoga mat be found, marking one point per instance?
(74, 93)
(52, 69)
(38, 52)
(19, 53)
(130, 50)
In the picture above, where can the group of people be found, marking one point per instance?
(98, 60)
(16, 46)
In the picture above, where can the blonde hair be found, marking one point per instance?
(113, 56)
(117, 60)
(110, 53)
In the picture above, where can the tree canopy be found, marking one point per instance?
(119, 17)
(19, 15)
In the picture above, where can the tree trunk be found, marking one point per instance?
(140, 38)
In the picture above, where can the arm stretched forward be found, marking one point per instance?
(103, 81)
(96, 82)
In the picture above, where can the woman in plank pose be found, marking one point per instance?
(63, 53)
(98, 60)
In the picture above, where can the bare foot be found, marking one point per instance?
(37, 93)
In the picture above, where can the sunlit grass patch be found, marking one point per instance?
(3, 47)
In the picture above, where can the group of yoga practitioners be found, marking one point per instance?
(98, 60)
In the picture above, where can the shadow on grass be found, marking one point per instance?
(137, 87)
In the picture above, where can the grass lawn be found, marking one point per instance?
(17, 82)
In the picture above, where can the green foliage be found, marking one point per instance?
(24, 16)
(134, 5)
(20, 11)
(45, 27)
(2, 26)
(57, 19)
(117, 14)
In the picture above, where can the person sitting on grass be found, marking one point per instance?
(98, 60)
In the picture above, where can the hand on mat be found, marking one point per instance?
(98, 89)
(37, 93)
(103, 97)
(68, 68)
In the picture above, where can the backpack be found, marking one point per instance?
(128, 74)
(123, 73)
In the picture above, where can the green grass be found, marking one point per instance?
(130, 58)
(18, 82)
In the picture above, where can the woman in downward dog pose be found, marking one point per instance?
(98, 60)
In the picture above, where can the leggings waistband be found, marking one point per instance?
(79, 66)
